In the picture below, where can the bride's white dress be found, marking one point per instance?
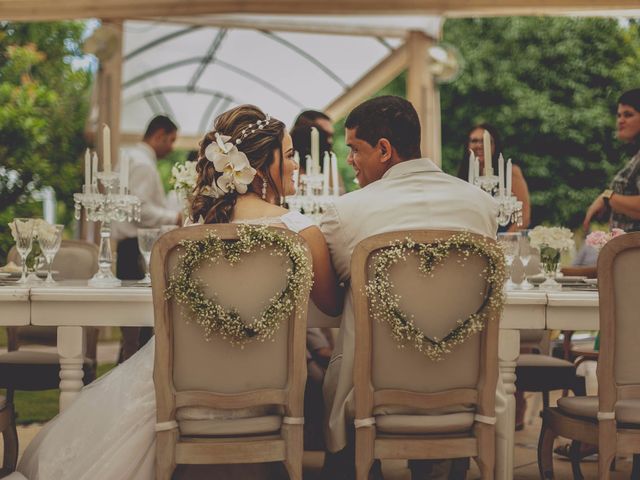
(108, 433)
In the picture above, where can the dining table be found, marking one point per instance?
(72, 305)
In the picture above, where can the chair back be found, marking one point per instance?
(388, 376)
(193, 371)
(76, 260)
(619, 303)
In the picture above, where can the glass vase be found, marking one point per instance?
(549, 258)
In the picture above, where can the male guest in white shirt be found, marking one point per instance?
(145, 183)
(399, 191)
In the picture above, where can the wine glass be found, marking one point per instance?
(50, 244)
(146, 237)
(24, 242)
(525, 253)
(509, 244)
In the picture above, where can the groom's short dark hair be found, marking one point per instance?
(390, 117)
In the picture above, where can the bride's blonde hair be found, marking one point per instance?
(259, 147)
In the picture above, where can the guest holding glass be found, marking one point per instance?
(621, 201)
(475, 144)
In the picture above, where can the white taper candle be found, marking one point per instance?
(509, 177)
(315, 149)
(106, 149)
(326, 169)
(501, 175)
(486, 148)
(472, 167)
(335, 181)
(87, 169)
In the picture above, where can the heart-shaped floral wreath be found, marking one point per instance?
(213, 317)
(385, 305)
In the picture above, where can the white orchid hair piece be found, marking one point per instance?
(237, 172)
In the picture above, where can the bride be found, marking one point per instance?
(108, 433)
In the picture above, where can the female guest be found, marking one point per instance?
(475, 144)
(622, 199)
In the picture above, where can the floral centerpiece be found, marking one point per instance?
(598, 239)
(551, 241)
(183, 178)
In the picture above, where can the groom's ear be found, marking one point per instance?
(386, 150)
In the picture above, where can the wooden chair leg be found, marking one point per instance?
(166, 454)
(545, 449)
(574, 456)
(10, 440)
(486, 459)
(293, 436)
(606, 447)
(365, 440)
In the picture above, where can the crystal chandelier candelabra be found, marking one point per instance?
(509, 207)
(106, 207)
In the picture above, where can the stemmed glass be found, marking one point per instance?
(24, 242)
(525, 257)
(146, 237)
(509, 244)
(50, 244)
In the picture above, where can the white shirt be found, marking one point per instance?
(145, 183)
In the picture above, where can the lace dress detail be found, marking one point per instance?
(108, 433)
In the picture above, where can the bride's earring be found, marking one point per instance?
(264, 188)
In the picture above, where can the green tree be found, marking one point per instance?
(43, 107)
(549, 85)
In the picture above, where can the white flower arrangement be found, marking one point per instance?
(558, 238)
(41, 229)
(184, 175)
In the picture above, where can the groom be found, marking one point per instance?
(400, 190)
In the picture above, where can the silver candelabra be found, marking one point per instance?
(509, 207)
(106, 207)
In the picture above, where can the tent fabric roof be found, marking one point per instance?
(194, 72)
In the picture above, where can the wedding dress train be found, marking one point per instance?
(108, 433)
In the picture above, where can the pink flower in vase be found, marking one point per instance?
(598, 239)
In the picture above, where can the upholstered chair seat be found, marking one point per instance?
(627, 412)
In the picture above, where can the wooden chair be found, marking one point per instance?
(24, 369)
(612, 419)
(406, 405)
(9, 437)
(200, 385)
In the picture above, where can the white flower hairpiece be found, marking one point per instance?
(234, 165)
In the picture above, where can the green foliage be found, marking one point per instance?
(550, 86)
(43, 107)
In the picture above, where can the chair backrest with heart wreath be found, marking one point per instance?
(230, 305)
(427, 306)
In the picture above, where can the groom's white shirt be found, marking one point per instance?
(415, 194)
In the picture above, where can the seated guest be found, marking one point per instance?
(475, 144)
(301, 136)
(320, 120)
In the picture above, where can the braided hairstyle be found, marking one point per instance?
(259, 147)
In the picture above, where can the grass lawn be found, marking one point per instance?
(40, 407)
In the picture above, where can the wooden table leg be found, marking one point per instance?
(508, 351)
(71, 351)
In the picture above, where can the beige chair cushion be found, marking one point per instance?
(425, 424)
(243, 421)
(533, 360)
(237, 426)
(627, 411)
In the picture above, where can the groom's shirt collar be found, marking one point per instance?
(411, 166)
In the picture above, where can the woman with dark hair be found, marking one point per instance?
(475, 144)
(245, 167)
(621, 201)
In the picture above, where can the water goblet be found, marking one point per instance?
(146, 237)
(509, 244)
(24, 242)
(50, 244)
(525, 253)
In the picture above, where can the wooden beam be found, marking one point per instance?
(41, 10)
(422, 92)
(369, 84)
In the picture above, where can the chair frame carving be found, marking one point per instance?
(611, 438)
(480, 443)
(171, 448)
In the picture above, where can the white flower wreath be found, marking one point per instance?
(237, 172)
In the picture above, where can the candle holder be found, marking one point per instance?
(311, 199)
(105, 208)
(509, 207)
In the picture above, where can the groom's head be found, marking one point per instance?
(381, 133)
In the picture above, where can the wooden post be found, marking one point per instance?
(422, 92)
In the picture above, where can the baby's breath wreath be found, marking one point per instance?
(385, 305)
(215, 319)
